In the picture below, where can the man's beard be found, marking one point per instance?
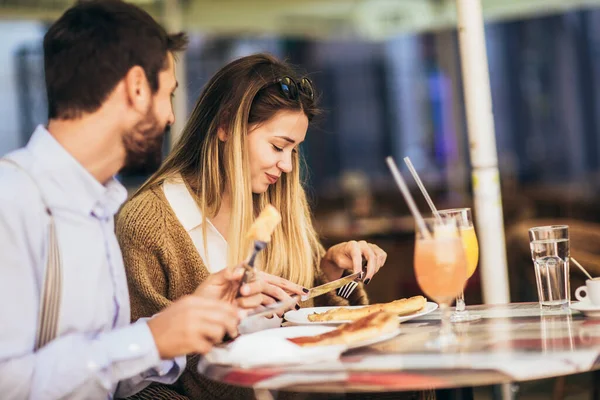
(144, 146)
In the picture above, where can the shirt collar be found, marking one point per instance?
(181, 201)
(85, 193)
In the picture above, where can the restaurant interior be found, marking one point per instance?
(388, 74)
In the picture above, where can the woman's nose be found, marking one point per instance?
(285, 165)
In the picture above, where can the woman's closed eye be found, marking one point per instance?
(281, 149)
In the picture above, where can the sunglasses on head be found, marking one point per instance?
(291, 89)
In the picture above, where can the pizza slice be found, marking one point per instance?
(368, 327)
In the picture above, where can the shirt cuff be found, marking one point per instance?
(168, 371)
(164, 371)
(164, 367)
(133, 341)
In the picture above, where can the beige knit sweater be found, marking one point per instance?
(162, 265)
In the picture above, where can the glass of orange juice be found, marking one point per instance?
(441, 270)
(464, 219)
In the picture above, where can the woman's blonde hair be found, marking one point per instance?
(241, 95)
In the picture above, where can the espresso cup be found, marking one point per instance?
(590, 292)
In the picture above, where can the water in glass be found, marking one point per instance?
(551, 263)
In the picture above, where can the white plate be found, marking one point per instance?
(305, 330)
(300, 317)
(587, 308)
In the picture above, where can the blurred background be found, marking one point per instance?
(390, 81)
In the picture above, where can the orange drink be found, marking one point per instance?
(471, 247)
(440, 267)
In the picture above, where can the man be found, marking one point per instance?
(110, 77)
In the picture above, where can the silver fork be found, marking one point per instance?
(346, 290)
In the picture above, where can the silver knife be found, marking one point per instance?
(328, 287)
(274, 308)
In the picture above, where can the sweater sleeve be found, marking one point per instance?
(154, 257)
(143, 255)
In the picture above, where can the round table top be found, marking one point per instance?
(513, 342)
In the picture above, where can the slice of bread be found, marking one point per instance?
(398, 307)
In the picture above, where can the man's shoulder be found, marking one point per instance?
(21, 203)
(16, 181)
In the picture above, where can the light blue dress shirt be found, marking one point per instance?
(98, 353)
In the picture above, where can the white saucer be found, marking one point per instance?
(587, 308)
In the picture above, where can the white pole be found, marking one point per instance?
(482, 144)
(173, 22)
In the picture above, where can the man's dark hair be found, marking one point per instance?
(93, 45)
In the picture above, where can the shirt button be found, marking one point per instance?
(134, 348)
(92, 366)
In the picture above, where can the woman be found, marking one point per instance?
(238, 152)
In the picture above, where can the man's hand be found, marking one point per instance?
(192, 324)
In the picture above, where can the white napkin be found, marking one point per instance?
(254, 350)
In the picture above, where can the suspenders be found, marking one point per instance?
(47, 327)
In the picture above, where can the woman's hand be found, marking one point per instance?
(286, 289)
(265, 289)
(348, 256)
(284, 284)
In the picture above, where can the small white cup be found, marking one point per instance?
(590, 292)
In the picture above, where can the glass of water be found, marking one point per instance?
(550, 253)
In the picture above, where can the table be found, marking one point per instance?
(511, 343)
